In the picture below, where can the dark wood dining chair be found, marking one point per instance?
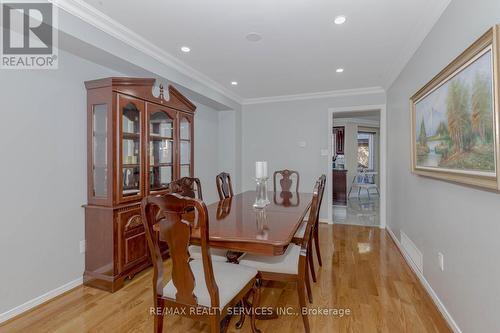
(224, 185)
(286, 180)
(224, 208)
(187, 187)
(292, 265)
(202, 289)
(191, 187)
(322, 181)
(299, 235)
(286, 199)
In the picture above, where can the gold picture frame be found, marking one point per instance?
(455, 118)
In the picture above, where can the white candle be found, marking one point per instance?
(260, 169)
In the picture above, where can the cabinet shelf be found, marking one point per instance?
(157, 165)
(157, 137)
(128, 135)
(130, 192)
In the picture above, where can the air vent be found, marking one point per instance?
(413, 252)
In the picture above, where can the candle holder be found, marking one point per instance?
(261, 200)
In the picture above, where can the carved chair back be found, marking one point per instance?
(176, 231)
(187, 187)
(285, 199)
(224, 208)
(224, 185)
(286, 180)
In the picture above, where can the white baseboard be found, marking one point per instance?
(39, 300)
(447, 316)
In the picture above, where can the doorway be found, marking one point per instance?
(356, 165)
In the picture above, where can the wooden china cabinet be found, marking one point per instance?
(136, 145)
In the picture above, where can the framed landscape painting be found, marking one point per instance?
(455, 120)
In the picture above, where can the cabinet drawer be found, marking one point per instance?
(132, 243)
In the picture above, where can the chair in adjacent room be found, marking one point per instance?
(364, 180)
(204, 289)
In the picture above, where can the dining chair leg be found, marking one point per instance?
(255, 304)
(311, 261)
(215, 324)
(224, 324)
(316, 245)
(240, 322)
(308, 286)
(302, 302)
(159, 314)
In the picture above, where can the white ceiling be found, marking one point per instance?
(301, 46)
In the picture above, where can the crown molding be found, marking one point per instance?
(417, 36)
(106, 24)
(316, 95)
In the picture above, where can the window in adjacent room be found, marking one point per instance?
(366, 151)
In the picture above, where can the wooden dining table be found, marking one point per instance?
(235, 225)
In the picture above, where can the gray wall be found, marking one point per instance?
(206, 129)
(459, 221)
(272, 132)
(43, 175)
(228, 147)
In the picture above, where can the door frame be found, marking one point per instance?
(382, 156)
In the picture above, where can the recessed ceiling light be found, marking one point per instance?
(253, 37)
(185, 49)
(340, 70)
(234, 83)
(340, 19)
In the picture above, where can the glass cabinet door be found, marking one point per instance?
(161, 145)
(100, 150)
(185, 145)
(130, 117)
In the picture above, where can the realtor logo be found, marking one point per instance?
(29, 35)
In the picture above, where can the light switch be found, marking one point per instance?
(302, 144)
(441, 261)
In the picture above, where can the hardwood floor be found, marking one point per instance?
(362, 271)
